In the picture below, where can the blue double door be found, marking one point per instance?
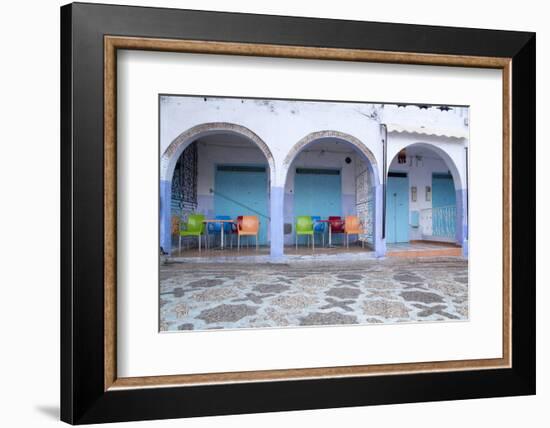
(317, 192)
(243, 190)
(443, 191)
(397, 208)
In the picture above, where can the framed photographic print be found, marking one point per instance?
(243, 224)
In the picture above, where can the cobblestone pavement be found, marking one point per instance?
(229, 296)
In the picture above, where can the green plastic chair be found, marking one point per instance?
(193, 227)
(304, 226)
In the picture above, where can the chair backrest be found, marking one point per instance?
(217, 227)
(175, 225)
(336, 223)
(304, 223)
(249, 224)
(352, 223)
(226, 226)
(195, 223)
(317, 227)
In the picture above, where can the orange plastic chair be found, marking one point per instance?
(352, 226)
(248, 226)
(175, 225)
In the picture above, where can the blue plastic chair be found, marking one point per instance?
(319, 227)
(216, 228)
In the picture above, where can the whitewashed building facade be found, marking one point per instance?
(372, 148)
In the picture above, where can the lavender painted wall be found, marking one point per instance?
(165, 214)
(276, 232)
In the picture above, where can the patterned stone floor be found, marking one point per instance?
(228, 296)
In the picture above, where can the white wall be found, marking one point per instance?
(283, 123)
(451, 122)
(280, 124)
(451, 150)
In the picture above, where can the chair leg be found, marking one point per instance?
(179, 250)
(199, 243)
(313, 242)
(256, 242)
(296, 242)
(238, 242)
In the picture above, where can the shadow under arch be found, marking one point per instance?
(171, 155)
(446, 157)
(336, 135)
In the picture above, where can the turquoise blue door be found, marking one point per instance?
(317, 192)
(443, 205)
(242, 190)
(397, 208)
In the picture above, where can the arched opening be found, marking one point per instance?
(424, 199)
(330, 174)
(211, 172)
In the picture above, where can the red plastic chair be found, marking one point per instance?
(336, 224)
(239, 223)
(235, 228)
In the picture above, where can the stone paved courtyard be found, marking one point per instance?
(204, 296)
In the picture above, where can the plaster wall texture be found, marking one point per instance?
(282, 123)
(279, 123)
(451, 150)
(442, 121)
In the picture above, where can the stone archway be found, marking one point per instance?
(458, 179)
(373, 173)
(459, 182)
(172, 153)
(319, 135)
(175, 149)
